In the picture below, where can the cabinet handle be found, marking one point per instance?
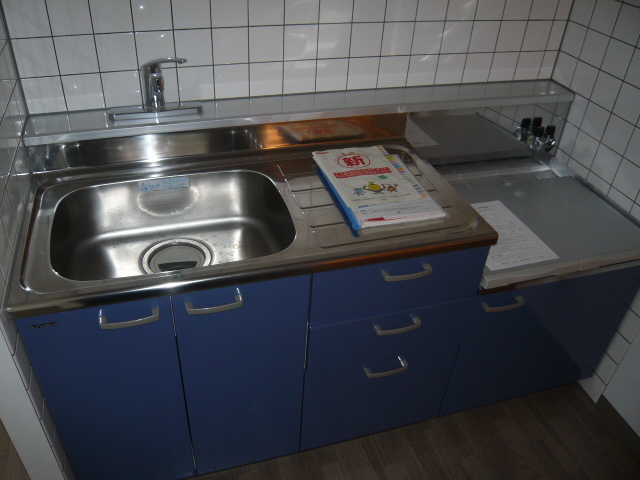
(403, 366)
(489, 309)
(104, 324)
(427, 270)
(416, 324)
(220, 308)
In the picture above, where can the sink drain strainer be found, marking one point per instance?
(176, 254)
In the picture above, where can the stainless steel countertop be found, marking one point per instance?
(587, 232)
(322, 242)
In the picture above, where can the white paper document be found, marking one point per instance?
(517, 244)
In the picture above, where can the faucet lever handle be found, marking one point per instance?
(155, 64)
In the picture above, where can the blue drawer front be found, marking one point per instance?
(341, 402)
(362, 291)
(243, 371)
(115, 395)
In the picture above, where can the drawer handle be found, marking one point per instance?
(416, 324)
(427, 270)
(104, 324)
(220, 308)
(489, 309)
(403, 366)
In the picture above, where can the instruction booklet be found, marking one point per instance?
(375, 188)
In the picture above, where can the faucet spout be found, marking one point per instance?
(153, 83)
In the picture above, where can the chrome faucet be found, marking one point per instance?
(153, 83)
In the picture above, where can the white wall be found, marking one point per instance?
(84, 54)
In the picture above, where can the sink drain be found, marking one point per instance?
(176, 254)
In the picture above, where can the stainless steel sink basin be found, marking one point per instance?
(165, 224)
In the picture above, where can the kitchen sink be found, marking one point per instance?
(165, 224)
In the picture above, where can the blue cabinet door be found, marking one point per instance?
(556, 334)
(378, 373)
(243, 369)
(507, 351)
(115, 394)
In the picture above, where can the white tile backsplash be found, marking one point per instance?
(503, 67)
(121, 88)
(229, 14)
(191, 13)
(594, 47)
(154, 44)
(331, 74)
(195, 45)
(298, 12)
(633, 73)
(300, 42)
(299, 76)
(265, 79)
(517, 9)
(477, 67)
(231, 81)
(151, 14)
(69, 17)
(111, 16)
(336, 11)
(36, 57)
(266, 44)
(27, 18)
(450, 68)
(422, 70)
(334, 40)
(606, 90)
(369, 10)
(627, 105)
(76, 54)
(366, 39)
(393, 71)
(456, 37)
(195, 83)
(44, 94)
(363, 73)
(116, 51)
(617, 134)
(83, 92)
(230, 45)
(266, 12)
(484, 36)
(402, 10)
(214, 33)
(626, 29)
(511, 36)
(604, 16)
(396, 39)
(582, 11)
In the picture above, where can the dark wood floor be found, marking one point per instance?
(557, 434)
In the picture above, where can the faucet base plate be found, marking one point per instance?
(170, 110)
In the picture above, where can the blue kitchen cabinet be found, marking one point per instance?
(242, 351)
(382, 343)
(374, 374)
(111, 379)
(535, 338)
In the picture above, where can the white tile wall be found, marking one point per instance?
(55, 40)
